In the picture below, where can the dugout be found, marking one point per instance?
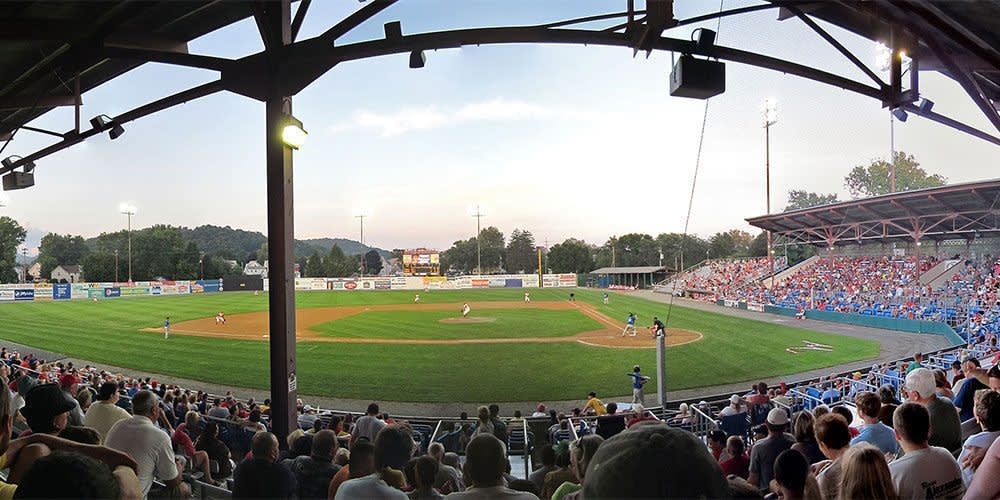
(635, 276)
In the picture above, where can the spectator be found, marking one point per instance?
(182, 442)
(956, 372)
(610, 424)
(261, 475)
(594, 406)
(734, 407)
(965, 397)
(739, 464)
(425, 470)
(923, 468)
(993, 378)
(641, 415)
(139, 437)
(217, 451)
(792, 480)
(562, 473)
(548, 457)
(337, 425)
(218, 411)
(307, 419)
(765, 451)
(393, 448)
(760, 396)
(70, 384)
(717, 445)
(69, 475)
(484, 424)
(499, 427)
(845, 412)
(943, 415)
(523, 485)
(987, 415)
(986, 480)
(917, 362)
(313, 472)
(873, 431)
(368, 426)
(805, 439)
(47, 409)
(540, 411)
(361, 464)
(300, 447)
(485, 459)
(887, 397)
(834, 440)
(80, 434)
(830, 395)
(865, 474)
(448, 478)
(941, 384)
(654, 461)
(581, 452)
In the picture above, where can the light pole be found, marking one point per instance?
(770, 118)
(361, 214)
(201, 264)
(884, 58)
(128, 211)
(116, 266)
(24, 265)
(478, 213)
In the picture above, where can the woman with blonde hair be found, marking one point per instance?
(865, 474)
(484, 424)
(805, 439)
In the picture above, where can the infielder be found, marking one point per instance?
(220, 319)
(527, 297)
(416, 298)
(166, 328)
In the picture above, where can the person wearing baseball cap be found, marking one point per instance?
(766, 451)
(70, 384)
(654, 460)
(47, 409)
(921, 388)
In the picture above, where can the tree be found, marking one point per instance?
(338, 264)
(758, 247)
(99, 266)
(11, 236)
(262, 253)
(57, 249)
(681, 251)
(571, 256)
(873, 179)
(521, 253)
(492, 250)
(315, 267)
(460, 257)
(732, 243)
(373, 262)
(799, 198)
(214, 267)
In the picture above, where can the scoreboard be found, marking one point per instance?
(421, 262)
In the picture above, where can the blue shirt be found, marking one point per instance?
(166, 322)
(879, 435)
(631, 320)
(637, 380)
(830, 395)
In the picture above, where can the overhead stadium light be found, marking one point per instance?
(104, 122)
(18, 180)
(770, 111)
(900, 114)
(925, 105)
(292, 133)
(417, 59)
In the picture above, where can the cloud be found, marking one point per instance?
(430, 117)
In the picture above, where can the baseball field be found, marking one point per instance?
(385, 346)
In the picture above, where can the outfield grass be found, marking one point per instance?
(733, 349)
(507, 323)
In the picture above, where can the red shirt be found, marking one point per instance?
(739, 466)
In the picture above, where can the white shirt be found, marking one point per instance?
(102, 416)
(148, 446)
(930, 473)
(982, 440)
(368, 427)
(489, 493)
(729, 411)
(368, 487)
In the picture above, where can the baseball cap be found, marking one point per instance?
(67, 380)
(654, 461)
(44, 402)
(777, 416)
(921, 380)
(734, 399)
(25, 384)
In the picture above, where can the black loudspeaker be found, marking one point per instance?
(18, 180)
(697, 78)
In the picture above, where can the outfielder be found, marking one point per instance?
(465, 310)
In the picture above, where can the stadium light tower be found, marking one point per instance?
(884, 59)
(361, 214)
(770, 118)
(478, 212)
(128, 210)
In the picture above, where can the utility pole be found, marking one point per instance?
(116, 266)
(361, 217)
(479, 248)
(24, 265)
(129, 211)
(770, 118)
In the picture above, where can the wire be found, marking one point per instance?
(694, 183)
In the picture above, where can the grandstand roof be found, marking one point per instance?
(629, 270)
(948, 212)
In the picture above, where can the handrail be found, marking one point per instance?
(527, 450)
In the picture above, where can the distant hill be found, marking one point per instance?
(238, 243)
(350, 247)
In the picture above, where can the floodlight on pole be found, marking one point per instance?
(128, 210)
(770, 115)
(361, 214)
(105, 122)
(293, 134)
(478, 212)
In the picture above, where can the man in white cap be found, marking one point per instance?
(733, 408)
(946, 427)
(766, 450)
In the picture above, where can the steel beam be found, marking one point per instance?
(275, 21)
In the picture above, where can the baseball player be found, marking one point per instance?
(629, 325)
(527, 297)
(465, 310)
(658, 328)
(605, 298)
(220, 319)
(166, 328)
(416, 298)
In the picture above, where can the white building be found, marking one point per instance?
(254, 268)
(68, 273)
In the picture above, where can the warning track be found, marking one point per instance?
(254, 326)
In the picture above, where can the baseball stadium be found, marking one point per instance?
(834, 347)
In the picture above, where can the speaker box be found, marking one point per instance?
(18, 180)
(697, 78)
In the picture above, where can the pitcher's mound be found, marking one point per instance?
(464, 321)
(612, 338)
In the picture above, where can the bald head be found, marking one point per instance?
(265, 446)
(324, 444)
(485, 460)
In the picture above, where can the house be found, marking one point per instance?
(67, 273)
(254, 268)
(35, 271)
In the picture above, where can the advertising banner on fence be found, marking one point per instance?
(730, 303)
(383, 284)
(6, 295)
(112, 292)
(63, 291)
(24, 294)
(754, 306)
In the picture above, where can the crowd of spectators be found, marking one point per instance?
(724, 276)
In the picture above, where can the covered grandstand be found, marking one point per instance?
(630, 277)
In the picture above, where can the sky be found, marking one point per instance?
(564, 141)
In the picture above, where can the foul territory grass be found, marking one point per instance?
(733, 349)
(505, 323)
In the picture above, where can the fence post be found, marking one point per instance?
(661, 370)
